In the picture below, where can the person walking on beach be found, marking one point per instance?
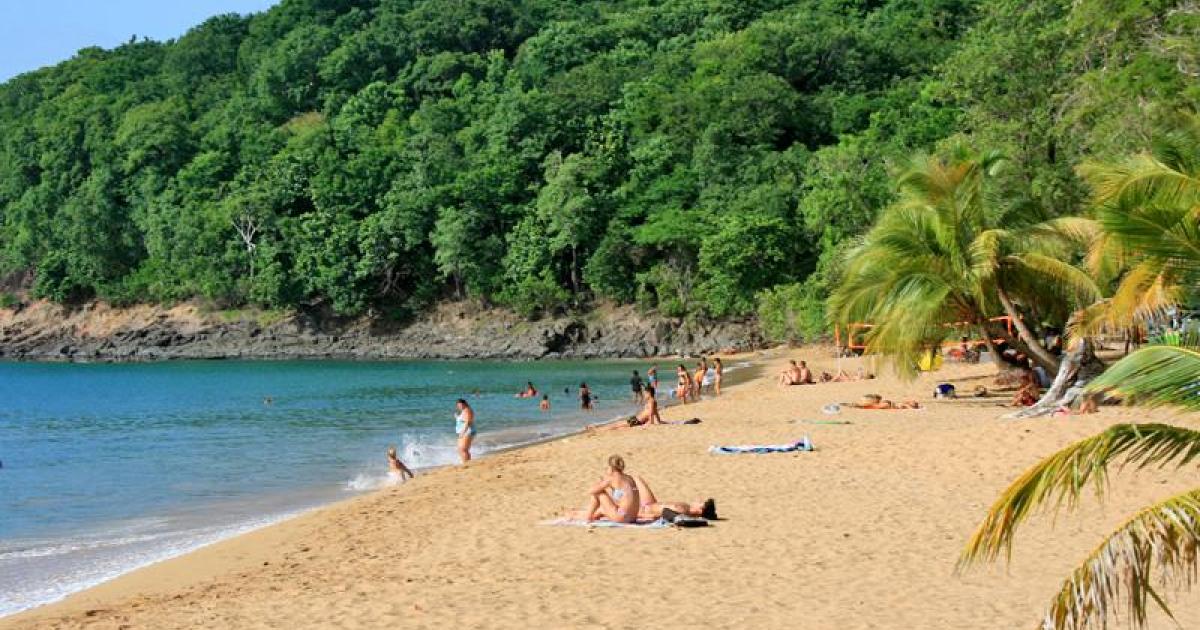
(585, 397)
(464, 428)
(635, 385)
(717, 370)
(396, 468)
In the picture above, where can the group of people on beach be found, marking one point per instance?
(624, 498)
(800, 374)
(689, 385)
(643, 392)
(586, 399)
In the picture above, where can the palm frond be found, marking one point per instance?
(1137, 181)
(1155, 376)
(1068, 279)
(1059, 480)
(1162, 539)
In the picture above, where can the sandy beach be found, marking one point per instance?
(863, 532)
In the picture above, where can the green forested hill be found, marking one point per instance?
(700, 157)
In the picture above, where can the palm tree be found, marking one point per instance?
(1149, 209)
(949, 251)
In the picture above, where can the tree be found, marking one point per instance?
(947, 252)
(1149, 206)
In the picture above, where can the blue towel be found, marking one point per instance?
(803, 444)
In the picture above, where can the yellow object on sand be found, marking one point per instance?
(930, 361)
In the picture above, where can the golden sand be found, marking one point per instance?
(862, 533)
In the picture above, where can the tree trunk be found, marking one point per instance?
(1079, 366)
(1040, 354)
(991, 346)
(575, 274)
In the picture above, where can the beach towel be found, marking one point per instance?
(576, 522)
(803, 444)
(807, 421)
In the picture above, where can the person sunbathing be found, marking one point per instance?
(615, 497)
(652, 508)
(875, 401)
(648, 415)
(843, 377)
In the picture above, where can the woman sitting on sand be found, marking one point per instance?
(648, 415)
(615, 497)
(791, 374)
(396, 468)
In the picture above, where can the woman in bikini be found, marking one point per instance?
(652, 508)
(464, 428)
(698, 378)
(683, 386)
(615, 497)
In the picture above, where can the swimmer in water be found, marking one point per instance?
(545, 404)
(396, 468)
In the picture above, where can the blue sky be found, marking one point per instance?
(36, 33)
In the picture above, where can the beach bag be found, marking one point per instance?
(944, 390)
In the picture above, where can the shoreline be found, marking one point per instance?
(867, 527)
(250, 525)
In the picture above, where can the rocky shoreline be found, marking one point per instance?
(43, 331)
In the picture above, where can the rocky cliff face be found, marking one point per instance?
(97, 332)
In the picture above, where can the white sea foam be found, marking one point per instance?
(65, 566)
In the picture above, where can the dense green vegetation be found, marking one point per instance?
(700, 157)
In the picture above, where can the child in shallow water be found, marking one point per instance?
(396, 468)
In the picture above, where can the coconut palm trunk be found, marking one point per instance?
(1040, 355)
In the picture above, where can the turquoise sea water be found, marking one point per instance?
(107, 467)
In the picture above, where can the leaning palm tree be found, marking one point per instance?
(949, 251)
(1149, 209)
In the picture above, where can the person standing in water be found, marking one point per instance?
(585, 397)
(652, 377)
(635, 385)
(698, 379)
(464, 428)
(718, 369)
(396, 468)
(683, 387)
(545, 404)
